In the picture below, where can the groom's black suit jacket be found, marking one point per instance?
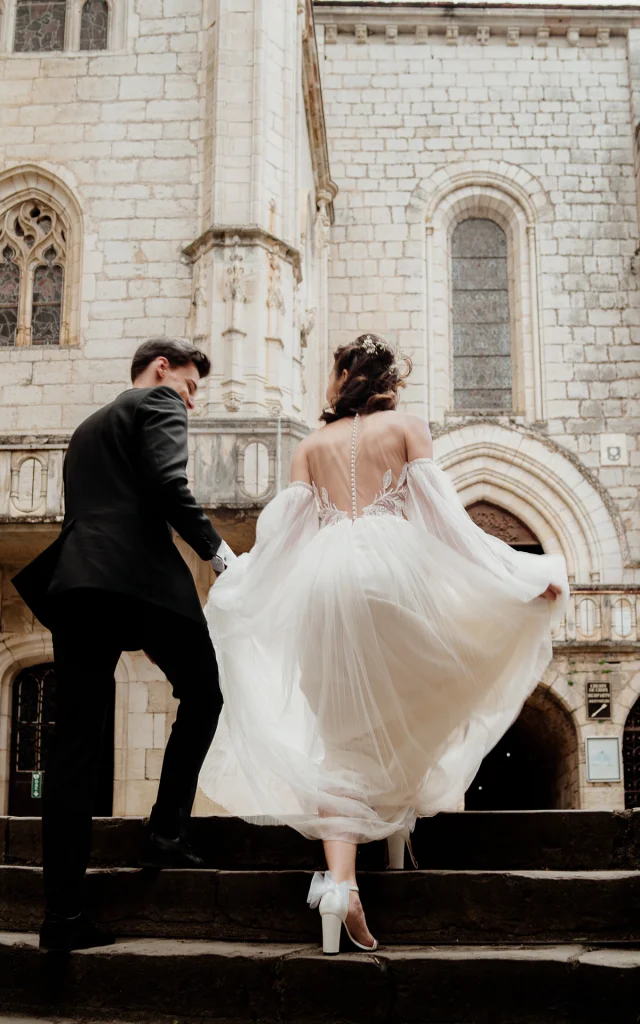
(125, 481)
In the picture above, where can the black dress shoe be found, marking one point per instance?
(63, 934)
(159, 852)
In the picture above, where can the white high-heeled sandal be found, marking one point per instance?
(395, 852)
(396, 846)
(333, 900)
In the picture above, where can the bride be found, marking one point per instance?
(375, 644)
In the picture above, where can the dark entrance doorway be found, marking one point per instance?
(32, 725)
(631, 757)
(535, 764)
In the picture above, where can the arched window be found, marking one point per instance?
(33, 246)
(94, 25)
(481, 319)
(40, 25)
(631, 757)
(9, 296)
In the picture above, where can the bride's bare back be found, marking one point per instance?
(384, 442)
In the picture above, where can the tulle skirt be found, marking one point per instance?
(365, 681)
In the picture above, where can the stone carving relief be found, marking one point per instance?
(28, 482)
(307, 323)
(587, 617)
(502, 524)
(621, 617)
(234, 285)
(256, 469)
(234, 336)
(233, 401)
(275, 298)
(198, 306)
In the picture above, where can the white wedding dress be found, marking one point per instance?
(373, 646)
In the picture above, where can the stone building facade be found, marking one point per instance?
(169, 166)
(486, 222)
(172, 176)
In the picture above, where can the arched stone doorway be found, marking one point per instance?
(631, 757)
(32, 726)
(535, 764)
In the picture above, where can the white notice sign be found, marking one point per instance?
(603, 759)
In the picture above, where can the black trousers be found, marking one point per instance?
(92, 630)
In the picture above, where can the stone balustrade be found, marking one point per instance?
(237, 464)
(599, 615)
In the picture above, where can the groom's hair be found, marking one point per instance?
(176, 352)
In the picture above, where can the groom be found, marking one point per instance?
(114, 581)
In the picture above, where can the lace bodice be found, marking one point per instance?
(390, 501)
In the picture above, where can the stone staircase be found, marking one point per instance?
(511, 918)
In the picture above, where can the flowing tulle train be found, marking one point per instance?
(368, 667)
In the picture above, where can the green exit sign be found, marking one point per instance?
(36, 785)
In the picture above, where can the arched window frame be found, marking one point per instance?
(116, 36)
(31, 184)
(75, 26)
(501, 199)
(512, 293)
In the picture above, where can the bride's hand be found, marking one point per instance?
(551, 593)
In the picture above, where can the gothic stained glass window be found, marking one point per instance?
(47, 301)
(9, 296)
(33, 247)
(94, 28)
(480, 316)
(40, 25)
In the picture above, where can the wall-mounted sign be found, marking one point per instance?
(598, 699)
(36, 785)
(603, 759)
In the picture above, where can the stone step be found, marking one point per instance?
(164, 981)
(473, 840)
(403, 907)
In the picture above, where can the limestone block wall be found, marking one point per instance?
(187, 165)
(529, 125)
(145, 148)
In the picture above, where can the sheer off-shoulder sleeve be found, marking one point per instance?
(434, 506)
(250, 585)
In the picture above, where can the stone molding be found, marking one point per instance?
(516, 201)
(29, 182)
(364, 22)
(221, 236)
(542, 487)
(326, 189)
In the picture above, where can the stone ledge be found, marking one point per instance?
(242, 984)
(404, 907)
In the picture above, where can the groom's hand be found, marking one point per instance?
(223, 557)
(218, 564)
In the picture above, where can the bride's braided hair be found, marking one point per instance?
(375, 376)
